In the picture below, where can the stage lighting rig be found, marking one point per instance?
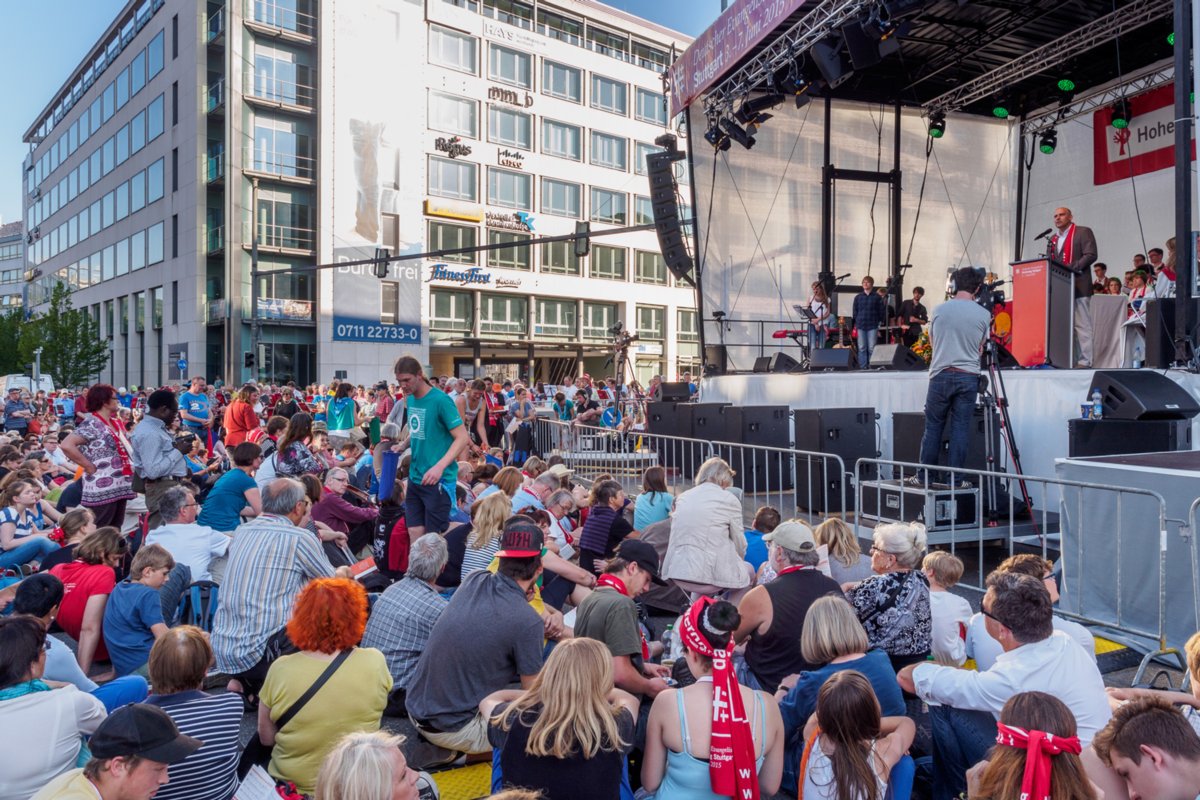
(715, 137)
(737, 133)
(670, 146)
(937, 124)
(1121, 114)
(751, 112)
(1048, 141)
(1000, 108)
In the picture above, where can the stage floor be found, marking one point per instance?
(1041, 401)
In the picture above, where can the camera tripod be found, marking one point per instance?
(993, 398)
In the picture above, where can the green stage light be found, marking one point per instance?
(1171, 38)
(937, 125)
(1048, 142)
(1000, 111)
(1066, 85)
(1121, 114)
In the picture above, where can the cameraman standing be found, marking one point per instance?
(958, 329)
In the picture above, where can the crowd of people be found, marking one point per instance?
(328, 560)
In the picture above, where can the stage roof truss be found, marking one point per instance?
(1144, 81)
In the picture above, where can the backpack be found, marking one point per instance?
(390, 544)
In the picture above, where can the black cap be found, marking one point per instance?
(521, 539)
(142, 730)
(643, 554)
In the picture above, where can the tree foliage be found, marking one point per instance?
(11, 322)
(73, 352)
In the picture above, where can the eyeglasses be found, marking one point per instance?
(880, 551)
(990, 615)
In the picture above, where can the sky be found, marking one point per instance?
(47, 39)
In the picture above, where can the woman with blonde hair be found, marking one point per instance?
(367, 766)
(569, 733)
(846, 560)
(506, 482)
(487, 523)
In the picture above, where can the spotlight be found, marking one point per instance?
(797, 84)
(879, 24)
(1066, 85)
(717, 139)
(1121, 114)
(1048, 141)
(750, 111)
(1171, 38)
(736, 133)
(937, 124)
(1000, 109)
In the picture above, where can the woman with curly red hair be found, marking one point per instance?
(326, 625)
(101, 446)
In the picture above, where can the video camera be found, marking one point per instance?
(987, 294)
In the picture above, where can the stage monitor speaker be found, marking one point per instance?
(836, 358)
(716, 360)
(675, 393)
(1143, 394)
(759, 426)
(665, 208)
(663, 419)
(896, 356)
(908, 427)
(762, 364)
(782, 362)
(1115, 437)
(845, 432)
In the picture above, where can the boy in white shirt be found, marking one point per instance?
(950, 612)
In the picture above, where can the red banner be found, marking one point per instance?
(1147, 145)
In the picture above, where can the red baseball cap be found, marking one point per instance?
(521, 539)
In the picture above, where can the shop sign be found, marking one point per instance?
(510, 158)
(510, 96)
(508, 283)
(452, 210)
(452, 147)
(470, 276)
(648, 349)
(520, 221)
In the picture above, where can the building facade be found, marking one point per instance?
(12, 265)
(205, 160)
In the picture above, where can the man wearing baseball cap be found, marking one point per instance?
(131, 751)
(773, 614)
(17, 412)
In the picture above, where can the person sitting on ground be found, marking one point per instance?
(287, 407)
(179, 663)
(949, 612)
(487, 524)
(131, 752)
(486, 638)
(334, 543)
(269, 441)
(708, 540)
(235, 494)
(605, 527)
(88, 580)
(357, 522)
(772, 616)
(567, 735)
(75, 524)
(536, 493)
(202, 471)
(984, 649)
(403, 617)
(834, 639)
(369, 766)
(24, 539)
(714, 738)
(1036, 754)
(850, 748)
(1153, 749)
(294, 457)
(847, 563)
(654, 503)
(44, 728)
(133, 616)
(326, 625)
(1036, 658)
(507, 481)
(197, 546)
(893, 604)
(766, 519)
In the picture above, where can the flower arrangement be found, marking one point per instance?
(923, 348)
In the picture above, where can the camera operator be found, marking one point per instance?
(958, 329)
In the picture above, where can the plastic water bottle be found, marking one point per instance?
(668, 640)
(1097, 405)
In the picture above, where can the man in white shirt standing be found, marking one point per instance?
(1036, 658)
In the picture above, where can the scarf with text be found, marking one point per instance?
(1039, 746)
(731, 765)
(120, 441)
(613, 582)
(1069, 236)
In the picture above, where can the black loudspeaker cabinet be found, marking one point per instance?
(716, 361)
(896, 356)
(845, 432)
(909, 426)
(675, 392)
(762, 364)
(1160, 333)
(836, 358)
(1143, 394)
(666, 419)
(758, 426)
(782, 362)
(705, 422)
(1115, 437)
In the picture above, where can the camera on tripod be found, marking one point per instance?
(988, 294)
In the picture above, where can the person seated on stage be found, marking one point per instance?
(870, 311)
(1128, 287)
(968, 703)
(950, 612)
(1139, 293)
(1161, 274)
(1153, 749)
(1100, 272)
(1113, 286)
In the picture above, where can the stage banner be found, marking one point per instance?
(715, 52)
(1147, 145)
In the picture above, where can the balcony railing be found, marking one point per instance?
(216, 310)
(282, 16)
(282, 308)
(281, 237)
(285, 165)
(214, 165)
(215, 97)
(280, 90)
(214, 26)
(214, 239)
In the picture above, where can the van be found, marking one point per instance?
(45, 384)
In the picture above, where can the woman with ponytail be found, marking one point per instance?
(714, 738)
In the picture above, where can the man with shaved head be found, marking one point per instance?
(1075, 246)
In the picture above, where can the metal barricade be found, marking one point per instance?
(966, 511)
(797, 483)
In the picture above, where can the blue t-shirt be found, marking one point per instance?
(126, 400)
(226, 499)
(756, 549)
(651, 507)
(131, 610)
(65, 406)
(195, 404)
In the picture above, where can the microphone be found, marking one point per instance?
(1043, 234)
(842, 277)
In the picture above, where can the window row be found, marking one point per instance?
(11, 275)
(14, 250)
(129, 197)
(146, 64)
(460, 51)
(145, 127)
(143, 249)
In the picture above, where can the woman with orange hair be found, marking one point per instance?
(327, 624)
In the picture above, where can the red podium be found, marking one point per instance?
(1043, 293)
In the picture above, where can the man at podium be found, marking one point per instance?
(1075, 247)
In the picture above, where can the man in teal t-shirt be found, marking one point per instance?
(437, 436)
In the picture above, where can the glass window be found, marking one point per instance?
(389, 302)
(559, 27)
(154, 62)
(95, 225)
(280, 147)
(555, 318)
(452, 49)
(610, 207)
(650, 107)
(561, 199)
(108, 207)
(137, 73)
(650, 322)
(512, 12)
(450, 178)
(122, 138)
(154, 244)
(510, 189)
(452, 114)
(609, 151)
(85, 127)
(450, 311)
(122, 193)
(649, 57)
(650, 268)
(137, 251)
(609, 95)
(139, 311)
(447, 236)
(123, 88)
(510, 66)
(137, 132)
(640, 151)
(154, 181)
(609, 44)
(107, 266)
(123, 314)
(509, 257)
(608, 262)
(562, 140)
(96, 114)
(597, 319)
(501, 313)
(108, 154)
(123, 257)
(689, 329)
(507, 126)
(154, 118)
(559, 257)
(110, 101)
(559, 80)
(137, 192)
(156, 307)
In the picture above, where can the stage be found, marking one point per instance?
(1041, 401)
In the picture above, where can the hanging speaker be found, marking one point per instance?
(829, 55)
(665, 206)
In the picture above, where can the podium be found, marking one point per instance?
(1043, 332)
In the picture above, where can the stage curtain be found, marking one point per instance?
(1108, 315)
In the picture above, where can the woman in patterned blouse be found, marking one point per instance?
(101, 446)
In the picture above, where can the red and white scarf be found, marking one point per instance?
(1039, 746)
(1069, 237)
(120, 442)
(613, 582)
(731, 764)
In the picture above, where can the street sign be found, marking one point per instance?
(181, 364)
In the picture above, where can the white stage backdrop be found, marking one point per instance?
(760, 236)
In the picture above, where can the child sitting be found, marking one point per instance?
(950, 612)
(133, 617)
(766, 519)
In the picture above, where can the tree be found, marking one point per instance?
(73, 352)
(11, 323)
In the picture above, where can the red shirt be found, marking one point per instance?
(81, 582)
(240, 419)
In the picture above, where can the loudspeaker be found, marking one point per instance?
(1115, 437)
(832, 359)
(716, 361)
(675, 393)
(1143, 394)
(830, 58)
(762, 364)
(776, 362)
(761, 426)
(909, 426)
(896, 356)
(845, 432)
(665, 207)
(662, 419)
(704, 422)
(863, 48)
(1160, 333)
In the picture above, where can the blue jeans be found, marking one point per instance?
(950, 394)
(33, 550)
(816, 336)
(866, 344)
(961, 739)
(121, 692)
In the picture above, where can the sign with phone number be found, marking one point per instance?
(352, 329)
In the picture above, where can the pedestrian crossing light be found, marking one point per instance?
(382, 256)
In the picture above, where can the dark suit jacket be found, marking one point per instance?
(1083, 255)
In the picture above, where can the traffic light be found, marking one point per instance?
(249, 359)
(583, 232)
(382, 256)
